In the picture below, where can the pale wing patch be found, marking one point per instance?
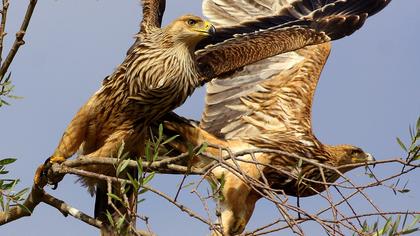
(227, 103)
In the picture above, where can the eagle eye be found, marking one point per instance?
(191, 22)
(356, 151)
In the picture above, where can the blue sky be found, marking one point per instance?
(367, 96)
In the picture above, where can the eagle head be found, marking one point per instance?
(189, 30)
(348, 154)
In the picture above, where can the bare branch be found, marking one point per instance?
(19, 37)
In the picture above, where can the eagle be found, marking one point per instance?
(267, 105)
(166, 64)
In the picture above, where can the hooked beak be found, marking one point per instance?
(212, 30)
(208, 28)
(369, 157)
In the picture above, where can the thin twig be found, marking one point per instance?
(19, 38)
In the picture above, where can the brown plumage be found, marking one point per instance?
(273, 113)
(268, 105)
(160, 71)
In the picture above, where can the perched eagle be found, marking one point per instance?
(268, 105)
(166, 64)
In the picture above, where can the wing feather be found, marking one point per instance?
(225, 57)
(274, 94)
(232, 17)
(152, 15)
(267, 28)
(277, 101)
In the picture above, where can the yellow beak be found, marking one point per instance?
(207, 28)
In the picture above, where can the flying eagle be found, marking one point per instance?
(268, 105)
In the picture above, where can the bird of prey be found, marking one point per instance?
(268, 105)
(163, 68)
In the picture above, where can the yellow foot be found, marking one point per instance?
(38, 178)
(57, 160)
(42, 175)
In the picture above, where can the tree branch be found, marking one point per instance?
(35, 197)
(19, 37)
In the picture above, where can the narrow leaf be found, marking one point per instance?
(148, 178)
(409, 231)
(401, 144)
(122, 166)
(121, 150)
(7, 161)
(113, 196)
(202, 148)
(170, 139)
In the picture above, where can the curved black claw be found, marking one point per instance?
(46, 167)
(46, 174)
(54, 186)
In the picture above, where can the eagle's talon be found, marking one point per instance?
(43, 176)
(54, 186)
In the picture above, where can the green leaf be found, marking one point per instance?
(405, 190)
(300, 162)
(134, 182)
(21, 193)
(2, 202)
(139, 167)
(213, 186)
(375, 226)
(144, 190)
(115, 197)
(202, 148)
(415, 221)
(187, 185)
(109, 216)
(120, 222)
(365, 227)
(386, 227)
(170, 139)
(160, 131)
(222, 181)
(10, 185)
(156, 153)
(121, 150)
(148, 178)
(409, 231)
(147, 151)
(7, 161)
(122, 166)
(394, 227)
(401, 144)
(24, 208)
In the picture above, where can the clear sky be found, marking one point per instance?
(369, 94)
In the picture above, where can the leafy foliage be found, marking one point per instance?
(393, 227)
(6, 89)
(9, 197)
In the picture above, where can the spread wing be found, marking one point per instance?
(152, 15)
(249, 31)
(266, 99)
(274, 96)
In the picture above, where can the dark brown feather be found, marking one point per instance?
(152, 15)
(256, 46)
